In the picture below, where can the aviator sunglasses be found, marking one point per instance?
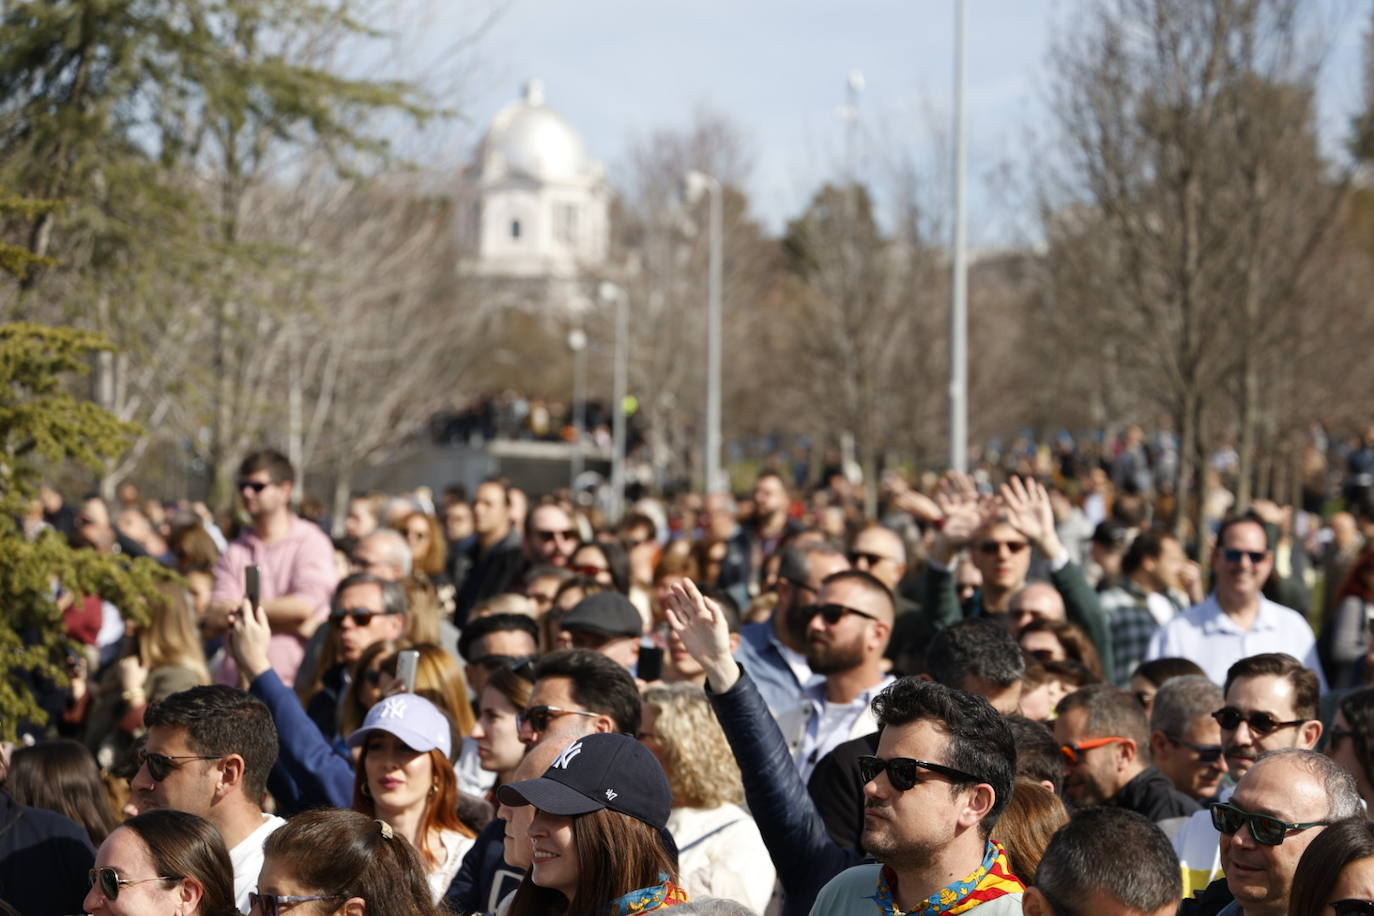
(109, 881)
(271, 904)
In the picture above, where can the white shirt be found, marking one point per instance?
(721, 854)
(247, 859)
(455, 847)
(1206, 635)
(829, 724)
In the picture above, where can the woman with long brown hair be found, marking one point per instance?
(404, 778)
(600, 810)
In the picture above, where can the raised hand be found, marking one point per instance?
(249, 635)
(1029, 511)
(963, 513)
(699, 623)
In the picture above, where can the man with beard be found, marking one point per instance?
(774, 651)
(1271, 703)
(846, 632)
(934, 791)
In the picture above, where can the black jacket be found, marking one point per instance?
(837, 790)
(802, 851)
(1209, 901)
(44, 858)
(484, 878)
(1152, 794)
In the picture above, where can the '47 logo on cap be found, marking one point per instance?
(569, 752)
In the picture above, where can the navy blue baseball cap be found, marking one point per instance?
(594, 772)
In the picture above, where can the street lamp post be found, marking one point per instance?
(699, 183)
(612, 292)
(577, 343)
(958, 306)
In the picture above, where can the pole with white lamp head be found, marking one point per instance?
(699, 183)
(577, 343)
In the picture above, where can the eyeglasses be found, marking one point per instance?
(161, 765)
(832, 613)
(110, 882)
(257, 486)
(992, 548)
(1264, 829)
(362, 616)
(1074, 752)
(586, 569)
(520, 664)
(548, 536)
(271, 904)
(1261, 723)
(539, 717)
(1353, 907)
(1233, 555)
(869, 559)
(901, 771)
(1206, 753)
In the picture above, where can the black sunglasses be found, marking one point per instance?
(547, 536)
(1233, 555)
(1261, 723)
(1353, 907)
(109, 881)
(1265, 829)
(992, 548)
(257, 486)
(539, 717)
(872, 559)
(1206, 753)
(161, 765)
(270, 904)
(362, 616)
(520, 664)
(901, 771)
(832, 613)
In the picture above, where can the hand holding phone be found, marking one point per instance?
(252, 585)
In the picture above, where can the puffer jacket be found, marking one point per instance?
(801, 848)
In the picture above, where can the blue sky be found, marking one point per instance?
(618, 69)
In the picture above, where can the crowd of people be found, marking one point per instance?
(1014, 695)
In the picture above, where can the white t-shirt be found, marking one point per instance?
(247, 859)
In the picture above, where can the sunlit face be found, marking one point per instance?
(843, 645)
(770, 496)
(499, 748)
(355, 638)
(1262, 693)
(278, 878)
(553, 536)
(398, 777)
(1002, 555)
(542, 591)
(361, 520)
(490, 509)
(910, 828)
(188, 786)
(556, 691)
(458, 521)
(417, 535)
(1242, 579)
(272, 498)
(880, 552)
(1176, 758)
(553, 852)
(588, 560)
(1260, 877)
(125, 852)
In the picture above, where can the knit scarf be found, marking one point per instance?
(991, 880)
(647, 899)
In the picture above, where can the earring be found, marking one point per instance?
(433, 789)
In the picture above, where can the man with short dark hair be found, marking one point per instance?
(1236, 620)
(1271, 704)
(550, 536)
(579, 692)
(496, 555)
(774, 651)
(1082, 871)
(208, 753)
(496, 639)
(935, 789)
(1142, 600)
(294, 557)
(1105, 740)
(1185, 740)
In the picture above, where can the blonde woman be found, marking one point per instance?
(720, 851)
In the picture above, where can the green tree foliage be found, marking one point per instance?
(43, 426)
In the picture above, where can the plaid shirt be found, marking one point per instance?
(1131, 625)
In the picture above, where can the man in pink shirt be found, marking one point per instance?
(295, 559)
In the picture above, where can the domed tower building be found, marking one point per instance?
(537, 221)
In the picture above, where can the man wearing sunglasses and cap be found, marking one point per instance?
(1270, 704)
(1236, 620)
(1284, 800)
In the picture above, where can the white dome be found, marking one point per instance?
(531, 139)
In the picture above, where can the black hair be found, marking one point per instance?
(1148, 545)
(1323, 861)
(1037, 753)
(1306, 687)
(866, 580)
(728, 606)
(478, 627)
(1159, 670)
(976, 647)
(980, 741)
(599, 685)
(1085, 857)
(221, 720)
(617, 562)
(277, 465)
